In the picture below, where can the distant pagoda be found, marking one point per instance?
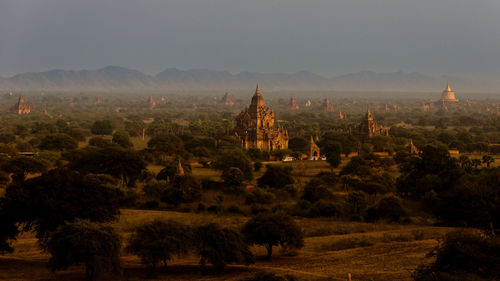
(448, 97)
(226, 100)
(412, 149)
(152, 102)
(293, 105)
(369, 128)
(327, 106)
(21, 107)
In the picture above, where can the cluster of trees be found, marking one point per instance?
(455, 194)
(159, 241)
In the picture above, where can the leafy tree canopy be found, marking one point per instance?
(272, 230)
(46, 202)
(97, 246)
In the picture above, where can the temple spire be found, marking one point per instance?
(257, 90)
(257, 99)
(180, 170)
(448, 88)
(369, 113)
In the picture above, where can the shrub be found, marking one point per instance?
(214, 209)
(463, 256)
(232, 176)
(187, 187)
(150, 205)
(388, 208)
(234, 210)
(257, 166)
(276, 177)
(265, 276)
(313, 192)
(323, 209)
(154, 189)
(259, 196)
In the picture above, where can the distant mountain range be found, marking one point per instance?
(113, 78)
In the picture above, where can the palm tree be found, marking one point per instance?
(488, 159)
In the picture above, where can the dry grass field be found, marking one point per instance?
(332, 249)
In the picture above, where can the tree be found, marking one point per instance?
(46, 202)
(166, 145)
(7, 138)
(170, 169)
(21, 130)
(276, 177)
(99, 142)
(102, 127)
(58, 142)
(220, 246)
(349, 181)
(236, 158)
(463, 256)
(298, 144)
(332, 151)
(185, 188)
(381, 143)
(476, 163)
(21, 166)
(135, 127)
(348, 142)
(158, 241)
(474, 201)
(124, 164)
(488, 159)
(434, 169)
(122, 138)
(272, 230)
(464, 161)
(97, 246)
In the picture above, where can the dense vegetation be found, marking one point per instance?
(63, 177)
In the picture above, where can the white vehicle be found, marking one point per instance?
(287, 159)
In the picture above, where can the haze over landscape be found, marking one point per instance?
(412, 45)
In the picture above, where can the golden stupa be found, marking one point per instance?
(448, 96)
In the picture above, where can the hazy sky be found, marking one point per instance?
(325, 36)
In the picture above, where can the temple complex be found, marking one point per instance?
(369, 128)
(226, 100)
(254, 127)
(293, 105)
(21, 107)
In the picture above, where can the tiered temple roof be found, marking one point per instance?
(255, 127)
